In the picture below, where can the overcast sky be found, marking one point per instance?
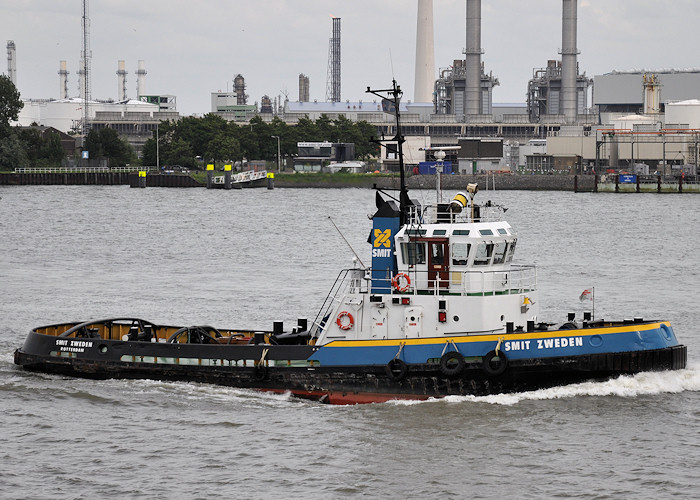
(192, 48)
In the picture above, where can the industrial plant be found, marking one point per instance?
(642, 121)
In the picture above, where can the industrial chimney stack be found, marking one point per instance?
(425, 53)
(141, 79)
(121, 79)
(472, 63)
(12, 62)
(63, 81)
(569, 68)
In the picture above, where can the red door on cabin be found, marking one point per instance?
(438, 262)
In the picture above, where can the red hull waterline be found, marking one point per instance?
(349, 398)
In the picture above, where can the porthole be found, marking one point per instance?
(456, 318)
(502, 317)
(102, 348)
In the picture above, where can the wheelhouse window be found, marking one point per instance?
(413, 253)
(499, 252)
(460, 254)
(484, 251)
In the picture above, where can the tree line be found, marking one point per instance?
(195, 141)
(23, 147)
(190, 142)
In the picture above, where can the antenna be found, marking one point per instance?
(87, 54)
(346, 241)
(391, 100)
(391, 63)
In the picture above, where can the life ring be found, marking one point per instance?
(342, 325)
(396, 369)
(452, 363)
(495, 364)
(400, 276)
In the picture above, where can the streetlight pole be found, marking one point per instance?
(279, 165)
(157, 150)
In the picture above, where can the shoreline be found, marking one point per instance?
(455, 182)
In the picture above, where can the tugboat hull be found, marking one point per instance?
(105, 359)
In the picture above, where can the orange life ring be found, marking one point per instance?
(395, 282)
(345, 326)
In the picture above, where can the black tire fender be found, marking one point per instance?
(397, 369)
(452, 363)
(260, 372)
(495, 364)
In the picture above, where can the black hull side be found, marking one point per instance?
(358, 384)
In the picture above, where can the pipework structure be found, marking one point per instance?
(303, 88)
(333, 77)
(239, 89)
(12, 62)
(559, 89)
(121, 79)
(464, 89)
(63, 80)
(545, 94)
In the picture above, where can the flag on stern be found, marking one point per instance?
(586, 294)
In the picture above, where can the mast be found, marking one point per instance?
(391, 98)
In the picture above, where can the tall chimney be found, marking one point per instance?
(141, 79)
(63, 81)
(425, 53)
(12, 62)
(473, 59)
(121, 79)
(569, 68)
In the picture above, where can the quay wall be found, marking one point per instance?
(576, 183)
(97, 178)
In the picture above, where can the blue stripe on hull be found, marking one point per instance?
(515, 346)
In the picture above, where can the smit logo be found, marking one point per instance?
(382, 238)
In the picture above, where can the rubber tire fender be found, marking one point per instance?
(260, 372)
(397, 369)
(500, 368)
(448, 366)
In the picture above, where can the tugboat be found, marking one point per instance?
(441, 311)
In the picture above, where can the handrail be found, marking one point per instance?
(80, 170)
(511, 280)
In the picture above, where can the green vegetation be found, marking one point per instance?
(194, 142)
(23, 147)
(106, 143)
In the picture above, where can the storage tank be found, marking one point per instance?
(683, 113)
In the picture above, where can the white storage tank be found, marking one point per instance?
(681, 114)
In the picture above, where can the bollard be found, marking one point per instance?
(210, 176)
(270, 180)
(227, 176)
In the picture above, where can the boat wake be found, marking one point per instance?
(646, 383)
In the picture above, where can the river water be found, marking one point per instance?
(247, 257)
